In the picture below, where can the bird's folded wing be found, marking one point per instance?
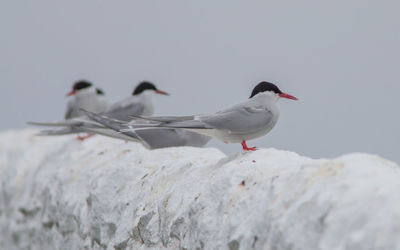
(110, 133)
(63, 123)
(123, 112)
(166, 119)
(239, 120)
(116, 125)
(102, 119)
(59, 131)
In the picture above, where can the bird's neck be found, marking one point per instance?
(147, 99)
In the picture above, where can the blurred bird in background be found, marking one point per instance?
(141, 102)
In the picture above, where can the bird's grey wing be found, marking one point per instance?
(59, 131)
(169, 121)
(239, 120)
(187, 124)
(105, 121)
(159, 119)
(152, 137)
(123, 112)
(113, 124)
(63, 123)
(109, 133)
(71, 129)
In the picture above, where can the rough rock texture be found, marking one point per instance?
(60, 193)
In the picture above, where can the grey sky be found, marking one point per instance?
(340, 58)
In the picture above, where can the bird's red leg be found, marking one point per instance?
(245, 148)
(82, 138)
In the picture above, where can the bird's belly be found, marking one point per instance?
(237, 137)
(227, 136)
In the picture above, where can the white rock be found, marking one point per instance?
(60, 193)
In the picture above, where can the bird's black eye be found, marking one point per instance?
(99, 91)
(143, 86)
(265, 86)
(81, 85)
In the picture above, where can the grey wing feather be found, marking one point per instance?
(194, 124)
(104, 120)
(71, 122)
(110, 133)
(165, 119)
(123, 113)
(152, 137)
(70, 129)
(239, 120)
(113, 124)
(59, 131)
(171, 122)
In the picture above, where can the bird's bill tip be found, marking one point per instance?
(161, 92)
(284, 95)
(73, 92)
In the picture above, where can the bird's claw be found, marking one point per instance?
(250, 149)
(245, 148)
(82, 138)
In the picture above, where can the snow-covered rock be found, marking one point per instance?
(60, 193)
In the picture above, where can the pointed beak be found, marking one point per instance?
(284, 95)
(73, 92)
(161, 92)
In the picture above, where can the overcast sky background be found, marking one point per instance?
(340, 58)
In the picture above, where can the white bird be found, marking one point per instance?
(141, 102)
(245, 121)
(85, 96)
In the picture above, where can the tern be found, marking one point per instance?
(141, 102)
(85, 96)
(245, 121)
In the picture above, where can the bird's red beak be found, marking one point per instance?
(73, 92)
(284, 95)
(161, 92)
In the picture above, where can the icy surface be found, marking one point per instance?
(60, 193)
